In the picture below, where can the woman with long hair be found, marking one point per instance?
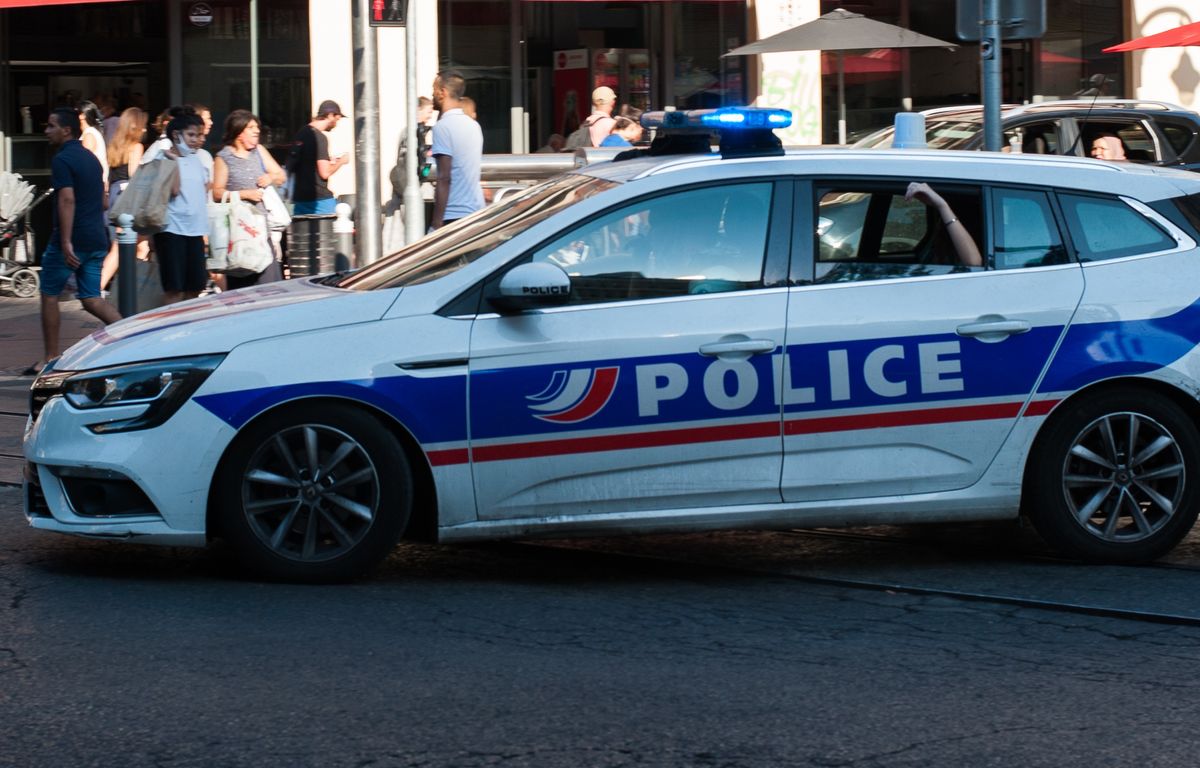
(124, 154)
(91, 123)
(244, 166)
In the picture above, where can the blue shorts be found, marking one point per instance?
(307, 207)
(87, 277)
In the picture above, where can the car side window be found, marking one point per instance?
(1035, 138)
(1104, 228)
(1135, 138)
(873, 232)
(702, 240)
(1026, 233)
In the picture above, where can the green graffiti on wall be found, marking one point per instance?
(799, 91)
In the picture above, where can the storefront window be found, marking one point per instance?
(650, 53)
(474, 39)
(216, 66)
(704, 31)
(1067, 62)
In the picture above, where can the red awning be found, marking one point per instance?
(39, 3)
(1188, 34)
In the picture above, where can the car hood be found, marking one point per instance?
(221, 322)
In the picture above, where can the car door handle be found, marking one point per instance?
(745, 347)
(993, 329)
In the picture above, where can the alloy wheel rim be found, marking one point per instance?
(310, 493)
(1124, 477)
(24, 285)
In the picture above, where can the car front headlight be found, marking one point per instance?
(163, 386)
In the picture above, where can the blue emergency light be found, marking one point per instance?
(725, 118)
(740, 131)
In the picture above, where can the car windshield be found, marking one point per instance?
(457, 245)
(949, 133)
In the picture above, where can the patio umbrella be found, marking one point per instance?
(840, 30)
(1187, 34)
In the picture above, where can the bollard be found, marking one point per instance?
(126, 266)
(343, 227)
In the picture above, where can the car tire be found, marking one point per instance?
(319, 493)
(1115, 477)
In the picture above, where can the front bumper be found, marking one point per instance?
(151, 485)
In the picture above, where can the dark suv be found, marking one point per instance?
(1153, 132)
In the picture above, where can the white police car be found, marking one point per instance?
(670, 342)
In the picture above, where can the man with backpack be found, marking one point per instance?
(598, 124)
(309, 164)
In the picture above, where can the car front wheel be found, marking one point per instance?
(315, 494)
(1114, 478)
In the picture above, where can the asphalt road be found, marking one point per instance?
(716, 650)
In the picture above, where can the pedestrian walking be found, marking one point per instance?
(91, 122)
(310, 165)
(600, 122)
(244, 166)
(180, 245)
(398, 178)
(124, 153)
(161, 142)
(78, 237)
(458, 152)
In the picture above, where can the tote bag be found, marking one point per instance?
(249, 241)
(147, 195)
(218, 232)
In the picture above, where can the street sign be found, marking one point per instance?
(1019, 19)
(388, 13)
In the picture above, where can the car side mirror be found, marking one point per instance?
(531, 286)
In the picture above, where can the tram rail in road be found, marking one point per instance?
(1011, 573)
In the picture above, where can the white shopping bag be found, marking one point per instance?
(218, 232)
(249, 241)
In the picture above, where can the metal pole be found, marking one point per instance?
(414, 205)
(254, 56)
(174, 53)
(369, 211)
(516, 110)
(126, 267)
(989, 60)
(841, 99)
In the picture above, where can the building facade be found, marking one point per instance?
(531, 64)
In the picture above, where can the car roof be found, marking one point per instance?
(1142, 182)
(1094, 106)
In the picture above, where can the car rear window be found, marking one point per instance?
(1106, 228)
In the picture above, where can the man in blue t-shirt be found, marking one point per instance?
(457, 150)
(79, 236)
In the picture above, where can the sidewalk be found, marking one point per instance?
(21, 346)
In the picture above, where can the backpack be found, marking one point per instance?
(581, 136)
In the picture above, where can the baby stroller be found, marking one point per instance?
(17, 273)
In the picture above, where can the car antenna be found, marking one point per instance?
(1095, 87)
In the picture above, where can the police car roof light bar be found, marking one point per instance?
(742, 131)
(725, 118)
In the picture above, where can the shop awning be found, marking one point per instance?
(1188, 34)
(4, 4)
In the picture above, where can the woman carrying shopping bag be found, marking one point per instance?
(244, 166)
(180, 246)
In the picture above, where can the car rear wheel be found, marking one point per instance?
(318, 494)
(1114, 478)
